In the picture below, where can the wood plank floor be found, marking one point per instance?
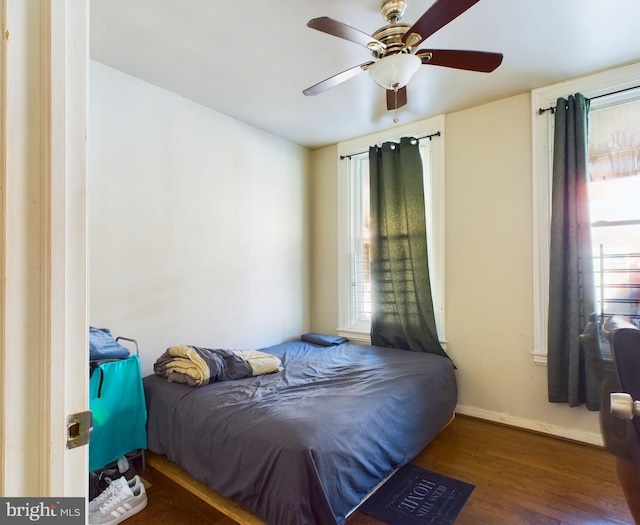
(520, 478)
(171, 504)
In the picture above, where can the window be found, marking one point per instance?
(608, 89)
(354, 249)
(614, 194)
(361, 246)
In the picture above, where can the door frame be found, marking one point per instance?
(44, 67)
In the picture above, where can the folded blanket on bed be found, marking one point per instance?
(195, 366)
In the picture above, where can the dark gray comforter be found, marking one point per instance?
(306, 444)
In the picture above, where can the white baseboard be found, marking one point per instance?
(574, 434)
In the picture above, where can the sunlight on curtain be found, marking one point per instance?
(402, 310)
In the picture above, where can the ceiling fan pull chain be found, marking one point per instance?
(395, 106)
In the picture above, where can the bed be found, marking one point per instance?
(306, 444)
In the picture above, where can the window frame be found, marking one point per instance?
(606, 85)
(434, 200)
(355, 171)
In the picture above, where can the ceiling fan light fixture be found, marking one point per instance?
(394, 71)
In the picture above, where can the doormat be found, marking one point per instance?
(416, 496)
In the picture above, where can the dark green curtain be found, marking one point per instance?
(571, 377)
(402, 306)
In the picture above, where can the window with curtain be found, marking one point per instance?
(609, 151)
(354, 248)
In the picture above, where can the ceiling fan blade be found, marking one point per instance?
(336, 79)
(341, 30)
(396, 99)
(437, 16)
(482, 61)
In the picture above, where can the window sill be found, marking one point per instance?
(355, 335)
(361, 336)
(539, 358)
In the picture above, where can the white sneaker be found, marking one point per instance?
(113, 486)
(122, 504)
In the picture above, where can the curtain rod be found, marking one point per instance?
(553, 108)
(430, 137)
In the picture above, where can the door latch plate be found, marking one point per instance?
(79, 428)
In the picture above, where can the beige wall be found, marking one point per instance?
(324, 235)
(489, 280)
(198, 223)
(489, 286)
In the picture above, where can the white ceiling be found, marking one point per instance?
(251, 59)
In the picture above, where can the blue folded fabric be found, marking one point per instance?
(102, 345)
(322, 339)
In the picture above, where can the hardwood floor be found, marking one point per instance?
(171, 504)
(525, 478)
(520, 478)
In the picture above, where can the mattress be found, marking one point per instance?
(304, 445)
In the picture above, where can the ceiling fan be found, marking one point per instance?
(394, 48)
